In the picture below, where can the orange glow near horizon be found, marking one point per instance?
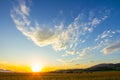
(36, 66)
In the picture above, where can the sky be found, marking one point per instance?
(59, 33)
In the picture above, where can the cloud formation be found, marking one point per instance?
(24, 9)
(107, 42)
(57, 36)
(112, 48)
(105, 34)
(63, 37)
(42, 36)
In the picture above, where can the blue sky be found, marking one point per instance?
(59, 32)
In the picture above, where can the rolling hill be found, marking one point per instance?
(99, 67)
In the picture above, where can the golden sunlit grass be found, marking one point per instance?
(103, 75)
(36, 67)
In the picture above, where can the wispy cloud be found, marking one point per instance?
(105, 34)
(37, 34)
(112, 48)
(60, 37)
(105, 41)
(57, 36)
(84, 52)
(24, 9)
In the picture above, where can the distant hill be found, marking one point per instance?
(2, 70)
(99, 67)
(68, 71)
(105, 66)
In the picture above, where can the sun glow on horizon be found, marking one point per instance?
(36, 67)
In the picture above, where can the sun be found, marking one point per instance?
(36, 67)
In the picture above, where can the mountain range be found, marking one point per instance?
(98, 67)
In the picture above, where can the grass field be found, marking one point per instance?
(112, 75)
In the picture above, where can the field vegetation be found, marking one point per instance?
(103, 75)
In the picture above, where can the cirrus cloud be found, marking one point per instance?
(60, 37)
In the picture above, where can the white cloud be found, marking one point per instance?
(80, 54)
(70, 52)
(57, 36)
(105, 34)
(112, 48)
(84, 52)
(24, 9)
(37, 34)
(95, 21)
(106, 40)
(60, 37)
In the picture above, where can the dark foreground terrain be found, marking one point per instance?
(103, 75)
